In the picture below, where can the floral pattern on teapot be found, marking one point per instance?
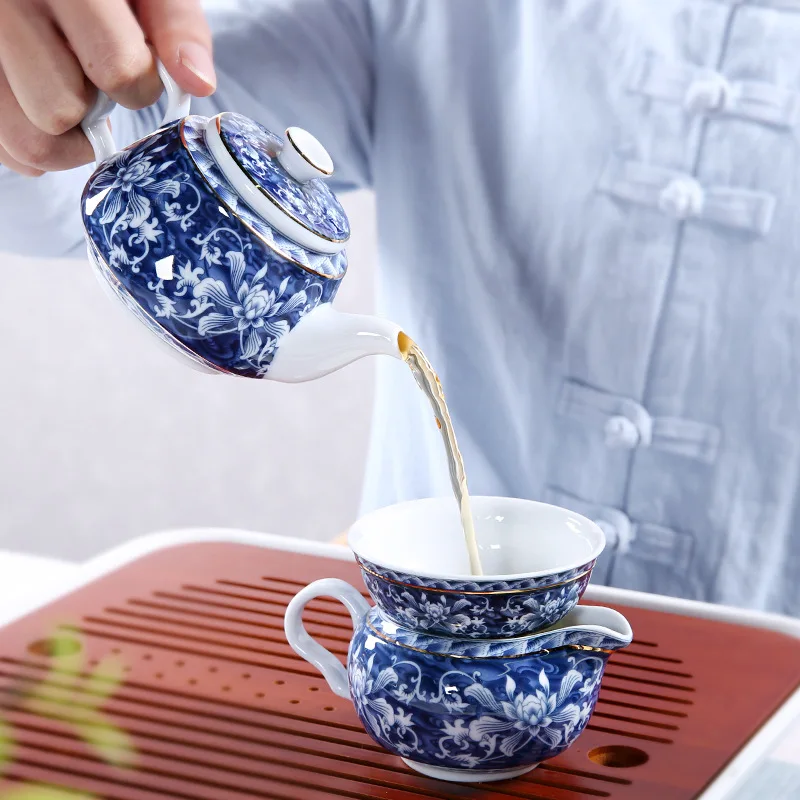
(233, 295)
(324, 265)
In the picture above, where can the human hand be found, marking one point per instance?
(54, 54)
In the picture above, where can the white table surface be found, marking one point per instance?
(768, 770)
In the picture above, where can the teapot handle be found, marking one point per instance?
(95, 124)
(302, 643)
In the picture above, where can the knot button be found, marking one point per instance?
(619, 533)
(682, 198)
(609, 531)
(711, 93)
(622, 433)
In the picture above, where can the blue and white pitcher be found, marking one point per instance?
(425, 682)
(227, 243)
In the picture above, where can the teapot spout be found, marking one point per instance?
(327, 340)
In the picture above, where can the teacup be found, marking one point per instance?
(537, 560)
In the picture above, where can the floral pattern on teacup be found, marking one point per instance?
(476, 615)
(476, 584)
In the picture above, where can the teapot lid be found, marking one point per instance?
(281, 180)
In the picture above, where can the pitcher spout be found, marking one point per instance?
(327, 340)
(592, 627)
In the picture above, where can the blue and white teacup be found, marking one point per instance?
(537, 561)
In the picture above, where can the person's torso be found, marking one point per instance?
(587, 219)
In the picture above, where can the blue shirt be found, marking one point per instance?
(588, 218)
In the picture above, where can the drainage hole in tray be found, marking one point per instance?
(56, 647)
(618, 756)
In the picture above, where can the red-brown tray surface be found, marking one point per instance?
(217, 706)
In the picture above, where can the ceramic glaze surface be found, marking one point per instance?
(476, 585)
(110, 282)
(475, 610)
(475, 714)
(328, 266)
(232, 297)
(476, 710)
(256, 150)
(538, 560)
(575, 634)
(523, 544)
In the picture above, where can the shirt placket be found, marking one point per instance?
(607, 419)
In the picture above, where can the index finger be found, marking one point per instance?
(181, 36)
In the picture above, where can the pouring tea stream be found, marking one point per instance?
(227, 244)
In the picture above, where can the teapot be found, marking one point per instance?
(226, 242)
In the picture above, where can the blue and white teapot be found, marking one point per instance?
(227, 243)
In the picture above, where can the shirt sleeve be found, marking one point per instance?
(282, 62)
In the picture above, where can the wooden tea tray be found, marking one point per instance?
(215, 705)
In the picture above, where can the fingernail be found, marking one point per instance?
(197, 59)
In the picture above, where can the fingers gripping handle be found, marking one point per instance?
(302, 643)
(95, 124)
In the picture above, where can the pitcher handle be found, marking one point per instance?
(302, 642)
(95, 124)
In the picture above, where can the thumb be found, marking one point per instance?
(180, 34)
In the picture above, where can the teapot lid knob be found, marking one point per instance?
(303, 157)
